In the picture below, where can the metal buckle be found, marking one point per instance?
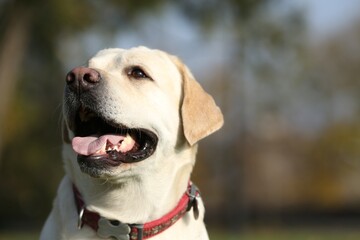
(80, 222)
(113, 228)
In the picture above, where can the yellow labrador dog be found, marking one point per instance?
(132, 120)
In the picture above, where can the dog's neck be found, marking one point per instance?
(136, 199)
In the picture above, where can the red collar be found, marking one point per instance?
(112, 228)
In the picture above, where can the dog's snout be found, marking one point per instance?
(82, 78)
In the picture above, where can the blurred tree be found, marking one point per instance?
(12, 44)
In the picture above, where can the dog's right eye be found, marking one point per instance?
(137, 73)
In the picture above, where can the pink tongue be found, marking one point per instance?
(90, 145)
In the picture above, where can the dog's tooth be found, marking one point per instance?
(116, 147)
(127, 144)
(108, 148)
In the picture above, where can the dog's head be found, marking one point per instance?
(131, 107)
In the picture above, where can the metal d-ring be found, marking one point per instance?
(193, 194)
(80, 222)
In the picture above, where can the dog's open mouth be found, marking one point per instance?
(107, 143)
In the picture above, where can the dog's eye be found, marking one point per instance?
(137, 73)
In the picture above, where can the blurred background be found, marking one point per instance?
(285, 73)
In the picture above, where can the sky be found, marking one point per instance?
(326, 17)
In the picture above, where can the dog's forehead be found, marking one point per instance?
(105, 56)
(139, 56)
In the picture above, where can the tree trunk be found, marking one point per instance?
(12, 52)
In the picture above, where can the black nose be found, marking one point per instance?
(82, 79)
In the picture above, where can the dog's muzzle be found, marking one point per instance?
(100, 142)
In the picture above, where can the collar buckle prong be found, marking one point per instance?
(140, 230)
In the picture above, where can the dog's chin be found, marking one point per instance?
(95, 172)
(96, 168)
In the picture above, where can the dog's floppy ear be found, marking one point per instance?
(200, 114)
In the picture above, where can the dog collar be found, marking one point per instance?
(106, 228)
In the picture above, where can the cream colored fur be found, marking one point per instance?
(178, 110)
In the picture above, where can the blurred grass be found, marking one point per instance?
(21, 235)
(288, 234)
(263, 234)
